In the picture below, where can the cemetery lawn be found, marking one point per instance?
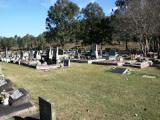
(92, 92)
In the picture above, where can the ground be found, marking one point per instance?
(92, 92)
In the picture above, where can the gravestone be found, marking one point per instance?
(19, 97)
(120, 70)
(6, 53)
(94, 51)
(21, 54)
(57, 56)
(77, 54)
(46, 110)
(67, 62)
(49, 56)
(60, 51)
(112, 55)
(31, 55)
(50, 53)
(38, 55)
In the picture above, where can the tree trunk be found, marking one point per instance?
(146, 45)
(126, 44)
(158, 45)
(101, 49)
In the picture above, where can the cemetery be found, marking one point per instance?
(75, 97)
(88, 57)
(103, 66)
(80, 60)
(40, 60)
(13, 101)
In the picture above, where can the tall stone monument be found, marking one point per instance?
(94, 51)
(57, 56)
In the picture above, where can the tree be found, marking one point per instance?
(59, 21)
(29, 42)
(93, 14)
(7, 43)
(41, 41)
(136, 18)
(93, 10)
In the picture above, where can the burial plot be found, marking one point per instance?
(19, 97)
(18, 104)
(120, 70)
(46, 112)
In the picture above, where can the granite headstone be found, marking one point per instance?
(46, 110)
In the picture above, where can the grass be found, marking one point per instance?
(92, 92)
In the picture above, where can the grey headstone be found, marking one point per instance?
(46, 110)
(60, 51)
(112, 52)
(67, 62)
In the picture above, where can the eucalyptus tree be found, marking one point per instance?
(59, 22)
(136, 18)
(93, 14)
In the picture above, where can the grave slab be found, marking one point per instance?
(7, 112)
(120, 70)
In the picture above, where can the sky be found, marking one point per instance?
(21, 17)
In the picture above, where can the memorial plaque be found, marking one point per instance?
(19, 97)
(16, 95)
(120, 70)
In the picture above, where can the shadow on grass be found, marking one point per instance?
(158, 67)
(27, 118)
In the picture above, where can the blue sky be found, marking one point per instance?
(20, 17)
